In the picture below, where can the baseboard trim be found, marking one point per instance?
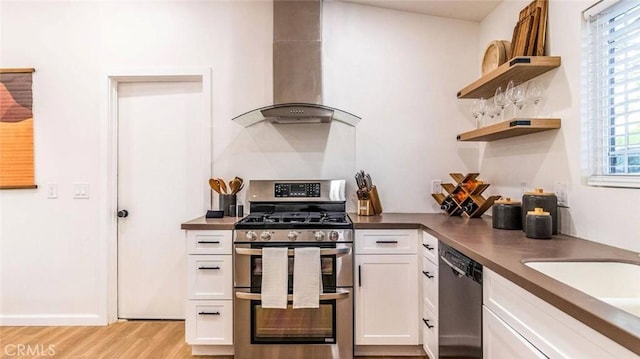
(212, 350)
(19, 320)
(389, 350)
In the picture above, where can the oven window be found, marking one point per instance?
(293, 326)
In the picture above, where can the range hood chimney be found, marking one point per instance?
(297, 69)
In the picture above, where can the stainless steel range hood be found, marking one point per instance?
(297, 69)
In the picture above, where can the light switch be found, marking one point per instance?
(80, 190)
(52, 190)
(436, 186)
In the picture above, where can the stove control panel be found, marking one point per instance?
(296, 190)
(286, 235)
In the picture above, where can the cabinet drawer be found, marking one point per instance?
(209, 322)
(209, 242)
(430, 284)
(383, 241)
(430, 247)
(429, 333)
(209, 277)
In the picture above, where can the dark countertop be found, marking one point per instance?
(504, 252)
(202, 223)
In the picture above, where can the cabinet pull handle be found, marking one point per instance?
(387, 242)
(427, 274)
(208, 242)
(208, 268)
(359, 276)
(426, 321)
(428, 247)
(212, 313)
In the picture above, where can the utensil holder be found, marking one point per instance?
(225, 201)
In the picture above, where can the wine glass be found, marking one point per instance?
(516, 92)
(535, 92)
(478, 109)
(500, 100)
(492, 111)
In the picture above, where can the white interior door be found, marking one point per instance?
(159, 185)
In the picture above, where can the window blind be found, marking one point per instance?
(612, 44)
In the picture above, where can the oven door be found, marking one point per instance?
(335, 258)
(287, 333)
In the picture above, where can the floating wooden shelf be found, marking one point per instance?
(510, 128)
(520, 69)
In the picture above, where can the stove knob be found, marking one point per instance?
(252, 236)
(265, 236)
(319, 235)
(293, 235)
(334, 235)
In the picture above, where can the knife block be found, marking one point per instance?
(465, 197)
(369, 202)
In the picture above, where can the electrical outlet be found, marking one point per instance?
(561, 192)
(436, 186)
(52, 190)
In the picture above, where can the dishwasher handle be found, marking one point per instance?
(459, 272)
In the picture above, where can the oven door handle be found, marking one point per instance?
(340, 294)
(338, 252)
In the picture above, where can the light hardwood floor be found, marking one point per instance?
(121, 340)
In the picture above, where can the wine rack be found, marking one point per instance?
(465, 196)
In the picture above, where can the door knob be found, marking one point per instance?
(123, 213)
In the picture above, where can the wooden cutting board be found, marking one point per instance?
(529, 33)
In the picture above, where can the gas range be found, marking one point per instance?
(295, 211)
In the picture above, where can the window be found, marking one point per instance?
(612, 83)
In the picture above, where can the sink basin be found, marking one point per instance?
(615, 283)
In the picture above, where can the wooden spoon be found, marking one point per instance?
(233, 186)
(213, 183)
(223, 186)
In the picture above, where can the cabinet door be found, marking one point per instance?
(387, 300)
(209, 277)
(209, 322)
(500, 340)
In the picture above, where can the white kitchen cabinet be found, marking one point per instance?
(429, 282)
(430, 326)
(500, 340)
(209, 307)
(554, 333)
(387, 308)
(211, 277)
(210, 322)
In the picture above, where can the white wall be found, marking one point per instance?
(606, 215)
(50, 251)
(399, 71)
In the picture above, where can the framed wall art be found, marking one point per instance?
(16, 129)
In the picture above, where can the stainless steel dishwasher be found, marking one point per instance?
(460, 304)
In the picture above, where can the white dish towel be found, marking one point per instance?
(307, 283)
(275, 274)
